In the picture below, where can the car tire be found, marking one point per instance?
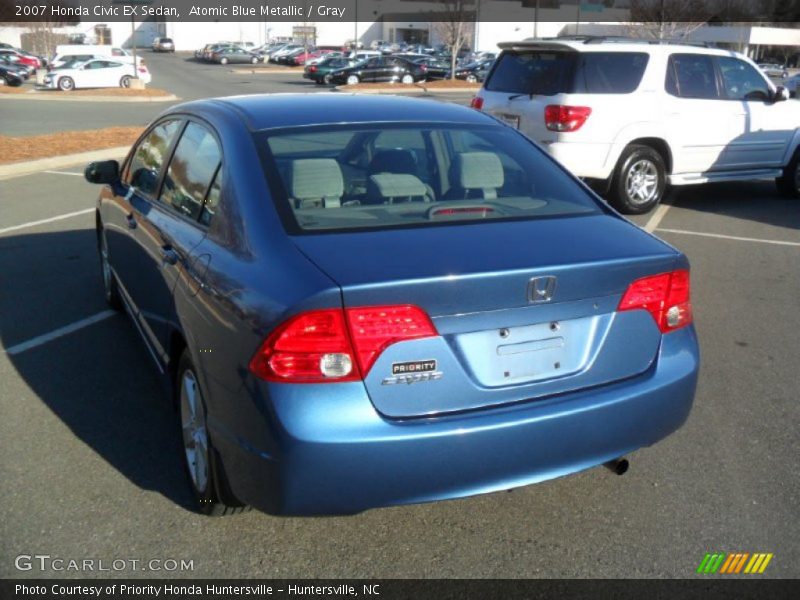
(789, 183)
(66, 84)
(639, 182)
(254, 60)
(110, 285)
(407, 79)
(223, 61)
(201, 461)
(327, 80)
(352, 79)
(125, 82)
(472, 79)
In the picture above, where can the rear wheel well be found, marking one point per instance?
(659, 146)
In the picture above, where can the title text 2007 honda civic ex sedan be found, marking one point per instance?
(365, 301)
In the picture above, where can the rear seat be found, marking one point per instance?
(476, 172)
(316, 183)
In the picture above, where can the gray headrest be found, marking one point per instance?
(396, 185)
(316, 179)
(479, 170)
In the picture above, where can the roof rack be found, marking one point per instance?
(601, 39)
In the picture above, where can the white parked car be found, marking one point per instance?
(632, 118)
(96, 73)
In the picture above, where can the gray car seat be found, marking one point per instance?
(316, 183)
(476, 173)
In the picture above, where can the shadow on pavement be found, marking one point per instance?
(756, 201)
(98, 380)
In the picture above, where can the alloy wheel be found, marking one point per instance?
(641, 181)
(195, 433)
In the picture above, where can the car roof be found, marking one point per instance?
(272, 111)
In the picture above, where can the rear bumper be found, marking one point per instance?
(583, 160)
(333, 453)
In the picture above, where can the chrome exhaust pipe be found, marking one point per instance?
(618, 465)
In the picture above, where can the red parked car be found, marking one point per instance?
(303, 57)
(22, 57)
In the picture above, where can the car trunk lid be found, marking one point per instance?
(523, 310)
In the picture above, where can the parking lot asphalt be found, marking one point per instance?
(90, 452)
(178, 74)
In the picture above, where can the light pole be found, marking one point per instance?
(355, 29)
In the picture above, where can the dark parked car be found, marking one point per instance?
(317, 72)
(233, 54)
(10, 63)
(378, 69)
(434, 68)
(12, 76)
(474, 72)
(362, 301)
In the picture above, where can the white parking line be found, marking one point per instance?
(64, 173)
(61, 331)
(50, 220)
(730, 237)
(655, 220)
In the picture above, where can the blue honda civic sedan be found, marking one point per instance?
(363, 301)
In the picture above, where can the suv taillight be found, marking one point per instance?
(476, 103)
(334, 345)
(664, 296)
(558, 117)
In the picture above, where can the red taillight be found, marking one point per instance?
(312, 68)
(476, 103)
(664, 296)
(142, 70)
(565, 118)
(336, 345)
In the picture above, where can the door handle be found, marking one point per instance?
(169, 255)
(131, 220)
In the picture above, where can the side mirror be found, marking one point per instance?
(781, 94)
(104, 171)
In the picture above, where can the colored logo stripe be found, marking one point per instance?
(734, 563)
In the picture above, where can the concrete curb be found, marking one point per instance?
(46, 97)
(407, 89)
(29, 167)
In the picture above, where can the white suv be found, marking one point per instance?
(632, 117)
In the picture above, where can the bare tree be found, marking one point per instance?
(455, 26)
(667, 19)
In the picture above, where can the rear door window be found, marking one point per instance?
(692, 76)
(191, 171)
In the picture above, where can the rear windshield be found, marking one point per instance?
(550, 73)
(368, 177)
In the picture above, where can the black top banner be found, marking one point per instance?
(303, 11)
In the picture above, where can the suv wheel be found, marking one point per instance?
(639, 180)
(789, 183)
(203, 465)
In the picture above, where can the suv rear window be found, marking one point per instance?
(549, 73)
